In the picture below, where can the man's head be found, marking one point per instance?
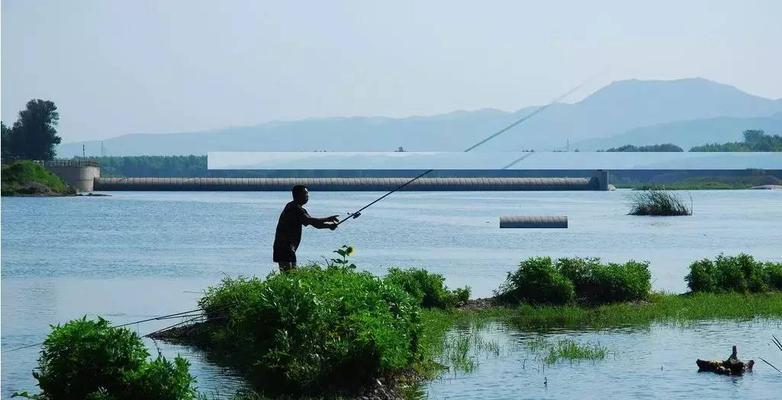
(300, 194)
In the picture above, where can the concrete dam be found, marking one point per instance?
(597, 182)
(85, 177)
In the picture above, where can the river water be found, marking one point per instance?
(139, 254)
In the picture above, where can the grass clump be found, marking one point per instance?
(552, 352)
(313, 329)
(658, 202)
(658, 308)
(741, 273)
(427, 288)
(538, 280)
(85, 359)
(30, 178)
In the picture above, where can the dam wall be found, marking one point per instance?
(597, 182)
(80, 174)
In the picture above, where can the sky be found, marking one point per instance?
(136, 66)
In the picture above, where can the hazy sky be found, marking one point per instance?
(116, 67)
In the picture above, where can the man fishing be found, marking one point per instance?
(288, 234)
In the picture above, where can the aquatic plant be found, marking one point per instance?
(552, 352)
(658, 308)
(427, 288)
(312, 328)
(658, 202)
(90, 359)
(538, 280)
(741, 273)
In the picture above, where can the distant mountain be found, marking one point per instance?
(613, 110)
(686, 134)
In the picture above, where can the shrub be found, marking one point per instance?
(658, 202)
(427, 288)
(774, 275)
(702, 276)
(90, 359)
(621, 282)
(312, 329)
(741, 273)
(536, 281)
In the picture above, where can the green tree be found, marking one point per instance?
(33, 135)
(6, 146)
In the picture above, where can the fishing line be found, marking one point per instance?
(537, 111)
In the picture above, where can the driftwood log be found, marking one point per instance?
(731, 366)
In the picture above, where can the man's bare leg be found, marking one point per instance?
(286, 266)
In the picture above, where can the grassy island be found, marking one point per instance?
(28, 178)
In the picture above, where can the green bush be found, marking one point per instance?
(774, 275)
(536, 281)
(741, 273)
(702, 276)
(630, 281)
(312, 329)
(427, 288)
(90, 359)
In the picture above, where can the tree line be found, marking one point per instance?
(755, 140)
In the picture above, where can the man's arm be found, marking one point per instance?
(323, 223)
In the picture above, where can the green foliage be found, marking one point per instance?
(553, 352)
(427, 288)
(312, 329)
(28, 177)
(667, 147)
(33, 135)
(739, 273)
(342, 262)
(754, 140)
(774, 275)
(658, 308)
(539, 280)
(90, 359)
(658, 202)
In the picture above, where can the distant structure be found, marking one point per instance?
(80, 174)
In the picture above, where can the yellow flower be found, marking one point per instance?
(349, 251)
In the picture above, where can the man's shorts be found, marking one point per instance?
(284, 254)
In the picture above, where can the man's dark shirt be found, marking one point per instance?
(288, 234)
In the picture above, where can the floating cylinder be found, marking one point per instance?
(532, 221)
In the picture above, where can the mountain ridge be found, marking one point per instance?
(615, 109)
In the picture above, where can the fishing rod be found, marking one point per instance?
(538, 110)
(181, 314)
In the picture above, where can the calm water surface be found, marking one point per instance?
(136, 255)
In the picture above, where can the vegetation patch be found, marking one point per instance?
(741, 273)
(313, 329)
(658, 308)
(30, 178)
(754, 140)
(427, 288)
(553, 352)
(538, 280)
(85, 359)
(658, 202)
